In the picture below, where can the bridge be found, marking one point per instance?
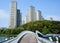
(31, 37)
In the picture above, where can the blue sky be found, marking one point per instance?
(49, 8)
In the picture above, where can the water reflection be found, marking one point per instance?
(3, 38)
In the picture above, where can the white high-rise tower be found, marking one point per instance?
(38, 15)
(30, 16)
(13, 13)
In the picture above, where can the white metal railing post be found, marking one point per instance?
(50, 38)
(57, 40)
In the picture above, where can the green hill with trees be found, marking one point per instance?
(44, 26)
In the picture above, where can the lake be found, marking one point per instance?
(3, 38)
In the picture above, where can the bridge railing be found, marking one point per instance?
(15, 40)
(53, 38)
(39, 39)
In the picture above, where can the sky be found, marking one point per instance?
(49, 8)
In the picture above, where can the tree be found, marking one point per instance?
(45, 30)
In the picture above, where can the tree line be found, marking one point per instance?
(44, 26)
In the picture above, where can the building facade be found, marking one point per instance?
(15, 15)
(18, 22)
(30, 16)
(39, 15)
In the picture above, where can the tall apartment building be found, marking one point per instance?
(15, 15)
(30, 16)
(38, 15)
(18, 21)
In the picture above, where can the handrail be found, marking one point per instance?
(15, 40)
(41, 39)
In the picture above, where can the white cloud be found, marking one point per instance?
(54, 17)
(4, 16)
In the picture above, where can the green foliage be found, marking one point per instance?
(43, 26)
(45, 30)
(10, 32)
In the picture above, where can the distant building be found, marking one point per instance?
(15, 15)
(39, 15)
(23, 22)
(30, 16)
(51, 18)
(18, 22)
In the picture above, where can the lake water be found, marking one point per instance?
(3, 38)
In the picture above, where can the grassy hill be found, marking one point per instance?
(43, 26)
